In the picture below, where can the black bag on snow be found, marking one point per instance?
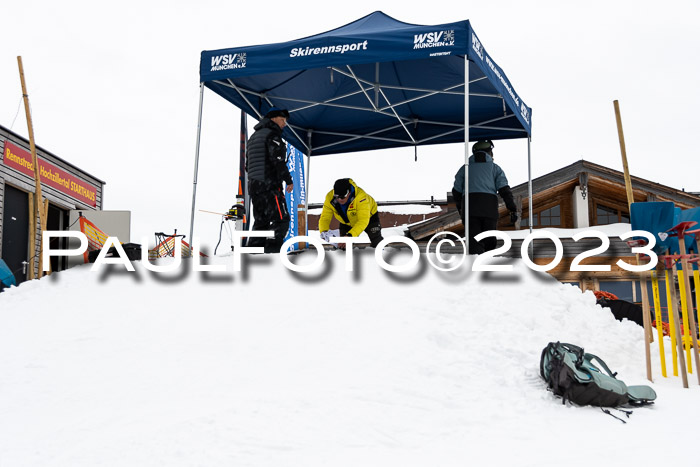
(622, 309)
(132, 250)
(572, 374)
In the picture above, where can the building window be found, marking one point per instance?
(550, 217)
(526, 220)
(607, 215)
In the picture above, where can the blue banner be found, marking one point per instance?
(371, 39)
(295, 164)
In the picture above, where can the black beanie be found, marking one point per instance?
(275, 112)
(341, 187)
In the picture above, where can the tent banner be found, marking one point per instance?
(295, 164)
(380, 39)
(497, 76)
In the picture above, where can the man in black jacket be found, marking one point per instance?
(267, 168)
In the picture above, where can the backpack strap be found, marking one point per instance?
(571, 347)
(626, 412)
(590, 357)
(576, 350)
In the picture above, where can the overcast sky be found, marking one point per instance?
(114, 90)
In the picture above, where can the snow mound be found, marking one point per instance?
(271, 367)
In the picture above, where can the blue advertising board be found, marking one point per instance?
(295, 164)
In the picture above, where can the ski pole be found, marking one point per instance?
(659, 320)
(671, 323)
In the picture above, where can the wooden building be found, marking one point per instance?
(577, 196)
(585, 194)
(64, 187)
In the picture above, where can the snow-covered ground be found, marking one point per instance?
(268, 367)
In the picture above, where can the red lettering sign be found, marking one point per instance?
(21, 160)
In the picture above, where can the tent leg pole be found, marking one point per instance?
(466, 150)
(196, 160)
(529, 183)
(246, 194)
(529, 195)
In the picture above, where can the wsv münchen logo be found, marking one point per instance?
(228, 62)
(434, 39)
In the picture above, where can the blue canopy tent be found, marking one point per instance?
(372, 84)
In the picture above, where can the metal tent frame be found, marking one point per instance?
(360, 88)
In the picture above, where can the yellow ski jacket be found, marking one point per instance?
(361, 207)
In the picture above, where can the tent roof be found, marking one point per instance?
(374, 83)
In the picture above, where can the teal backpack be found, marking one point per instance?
(572, 374)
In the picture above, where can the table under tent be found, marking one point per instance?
(374, 83)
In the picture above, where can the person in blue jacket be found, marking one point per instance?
(486, 181)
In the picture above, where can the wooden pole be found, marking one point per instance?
(37, 173)
(46, 219)
(45, 211)
(623, 151)
(32, 236)
(648, 336)
(689, 298)
(301, 224)
(684, 316)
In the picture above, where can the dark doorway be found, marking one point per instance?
(57, 220)
(15, 231)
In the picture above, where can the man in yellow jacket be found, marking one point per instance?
(355, 210)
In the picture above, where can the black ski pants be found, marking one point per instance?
(478, 224)
(270, 212)
(373, 229)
